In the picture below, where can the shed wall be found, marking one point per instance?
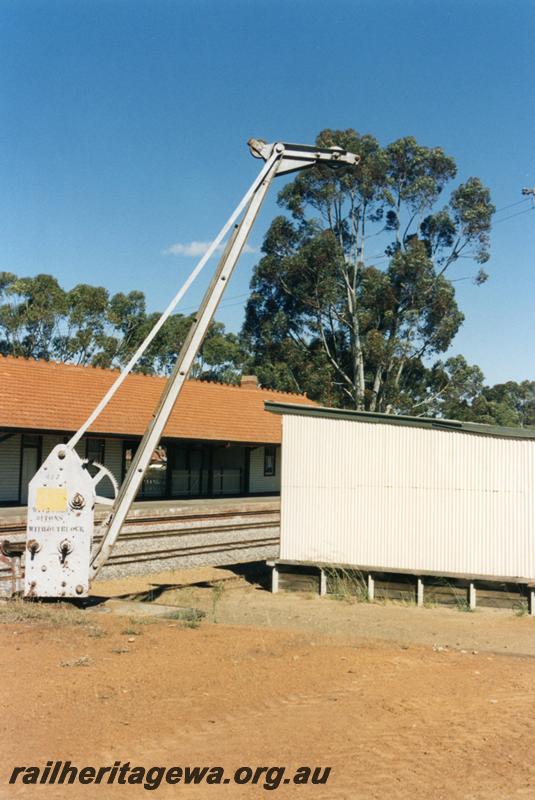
(391, 496)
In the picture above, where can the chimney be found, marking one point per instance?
(249, 382)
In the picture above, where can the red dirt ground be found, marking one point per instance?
(393, 721)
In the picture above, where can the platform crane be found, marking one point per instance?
(64, 551)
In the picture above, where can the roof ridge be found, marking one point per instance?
(52, 363)
(242, 388)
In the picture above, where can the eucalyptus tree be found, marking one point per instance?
(353, 292)
(87, 326)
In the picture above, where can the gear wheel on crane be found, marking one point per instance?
(101, 473)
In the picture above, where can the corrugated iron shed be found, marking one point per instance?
(407, 493)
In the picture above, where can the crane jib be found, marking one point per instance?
(61, 558)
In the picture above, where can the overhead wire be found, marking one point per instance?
(380, 256)
(223, 305)
(518, 214)
(512, 205)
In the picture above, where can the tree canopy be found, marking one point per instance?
(87, 326)
(352, 296)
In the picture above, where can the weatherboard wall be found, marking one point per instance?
(411, 498)
(258, 482)
(10, 468)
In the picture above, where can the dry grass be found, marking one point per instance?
(347, 585)
(521, 608)
(18, 611)
(218, 589)
(131, 631)
(146, 620)
(188, 617)
(82, 661)
(96, 632)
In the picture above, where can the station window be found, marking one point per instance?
(270, 461)
(94, 450)
(30, 440)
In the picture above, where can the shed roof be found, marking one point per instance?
(392, 419)
(45, 395)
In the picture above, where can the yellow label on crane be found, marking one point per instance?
(51, 498)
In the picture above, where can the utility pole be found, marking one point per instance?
(528, 191)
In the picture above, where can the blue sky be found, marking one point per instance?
(124, 124)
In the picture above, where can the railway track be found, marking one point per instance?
(169, 537)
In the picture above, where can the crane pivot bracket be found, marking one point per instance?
(294, 157)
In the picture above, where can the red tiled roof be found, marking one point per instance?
(45, 395)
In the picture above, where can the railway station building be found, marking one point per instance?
(219, 440)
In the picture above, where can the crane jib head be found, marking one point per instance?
(299, 156)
